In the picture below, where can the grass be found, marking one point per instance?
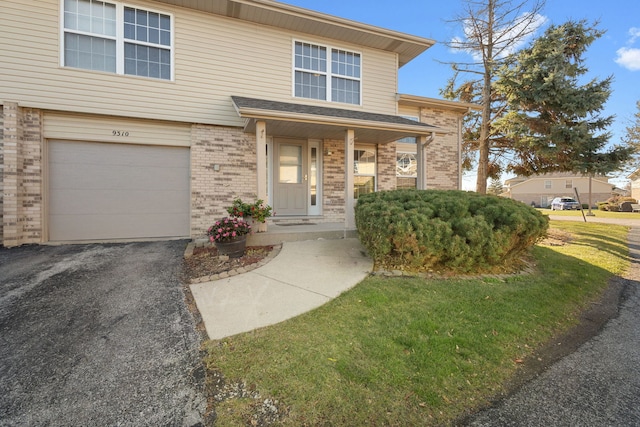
(596, 212)
(401, 351)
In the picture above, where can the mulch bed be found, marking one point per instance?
(205, 261)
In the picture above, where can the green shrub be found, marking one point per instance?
(421, 230)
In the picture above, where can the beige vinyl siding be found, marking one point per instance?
(80, 127)
(558, 186)
(408, 111)
(215, 57)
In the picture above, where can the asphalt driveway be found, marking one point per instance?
(97, 335)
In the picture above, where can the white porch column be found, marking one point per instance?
(422, 163)
(261, 160)
(349, 203)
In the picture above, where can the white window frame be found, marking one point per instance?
(120, 40)
(568, 183)
(329, 73)
(547, 183)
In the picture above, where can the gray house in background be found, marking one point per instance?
(540, 190)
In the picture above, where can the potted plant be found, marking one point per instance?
(230, 236)
(256, 212)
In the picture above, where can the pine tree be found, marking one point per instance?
(495, 187)
(555, 123)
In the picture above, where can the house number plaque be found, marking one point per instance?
(120, 133)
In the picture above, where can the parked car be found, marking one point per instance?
(564, 203)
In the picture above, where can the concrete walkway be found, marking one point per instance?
(303, 276)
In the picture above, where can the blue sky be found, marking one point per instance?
(616, 53)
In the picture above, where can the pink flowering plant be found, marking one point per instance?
(228, 229)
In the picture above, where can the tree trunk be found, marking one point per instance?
(483, 146)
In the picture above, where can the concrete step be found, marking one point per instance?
(292, 231)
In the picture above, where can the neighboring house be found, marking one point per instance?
(143, 119)
(540, 190)
(634, 179)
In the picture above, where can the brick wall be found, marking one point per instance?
(442, 154)
(213, 191)
(1, 173)
(386, 158)
(333, 181)
(21, 175)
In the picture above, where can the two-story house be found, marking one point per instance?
(144, 119)
(540, 190)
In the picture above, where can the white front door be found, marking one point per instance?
(291, 177)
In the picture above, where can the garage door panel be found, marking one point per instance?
(116, 202)
(103, 177)
(116, 191)
(101, 227)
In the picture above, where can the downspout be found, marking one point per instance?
(460, 148)
(422, 157)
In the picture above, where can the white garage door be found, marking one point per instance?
(103, 191)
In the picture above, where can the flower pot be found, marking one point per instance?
(233, 248)
(257, 226)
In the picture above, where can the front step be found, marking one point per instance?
(291, 230)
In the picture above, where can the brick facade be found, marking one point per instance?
(212, 191)
(333, 181)
(386, 158)
(1, 174)
(442, 154)
(21, 175)
(223, 166)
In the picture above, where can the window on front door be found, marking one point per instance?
(326, 73)
(364, 170)
(111, 37)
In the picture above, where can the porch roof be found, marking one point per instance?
(315, 122)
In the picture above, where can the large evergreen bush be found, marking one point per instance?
(422, 230)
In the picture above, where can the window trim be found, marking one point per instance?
(329, 74)
(120, 40)
(548, 184)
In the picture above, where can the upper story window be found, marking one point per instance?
(410, 139)
(111, 37)
(325, 73)
(568, 183)
(547, 183)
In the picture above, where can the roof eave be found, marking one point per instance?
(421, 101)
(294, 18)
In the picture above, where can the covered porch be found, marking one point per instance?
(306, 160)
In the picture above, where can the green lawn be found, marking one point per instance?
(596, 212)
(399, 351)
